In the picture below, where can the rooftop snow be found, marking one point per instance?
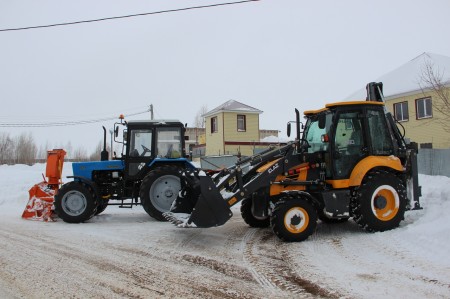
(406, 78)
(232, 106)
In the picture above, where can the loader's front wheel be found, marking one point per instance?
(159, 189)
(75, 202)
(380, 203)
(293, 219)
(249, 218)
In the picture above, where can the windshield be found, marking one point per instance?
(317, 137)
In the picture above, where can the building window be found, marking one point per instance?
(214, 124)
(426, 145)
(241, 125)
(401, 111)
(423, 108)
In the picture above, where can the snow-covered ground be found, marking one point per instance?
(123, 253)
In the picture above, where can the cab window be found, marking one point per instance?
(169, 143)
(316, 135)
(140, 143)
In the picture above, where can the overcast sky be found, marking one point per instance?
(274, 55)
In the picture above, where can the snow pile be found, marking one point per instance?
(337, 261)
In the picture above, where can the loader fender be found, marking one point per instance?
(364, 166)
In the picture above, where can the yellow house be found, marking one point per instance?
(414, 105)
(233, 129)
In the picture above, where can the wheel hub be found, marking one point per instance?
(74, 203)
(296, 220)
(168, 193)
(380, 202)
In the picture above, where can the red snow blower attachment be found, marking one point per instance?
(40, 204)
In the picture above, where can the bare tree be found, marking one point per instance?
(25, 149)
(432, 80)
(199, 121)
(79, 154)
(6, 148)
(96, 155)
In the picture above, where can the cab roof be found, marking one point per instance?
(342, 104)
(155, 122)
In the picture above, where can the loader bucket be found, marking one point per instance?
(41, 196)
(210, 209)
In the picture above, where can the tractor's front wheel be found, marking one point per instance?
(293, 219)
(75, 202)
(159, 189)
(380, 203)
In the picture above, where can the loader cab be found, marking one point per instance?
(346, 133)
(149, 140)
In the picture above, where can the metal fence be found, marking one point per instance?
(434, 161)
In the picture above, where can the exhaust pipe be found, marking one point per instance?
(104, 154)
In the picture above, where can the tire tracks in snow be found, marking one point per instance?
(270, 265)
(102, 271)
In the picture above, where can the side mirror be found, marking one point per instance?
(288, 130)
(124, 136)
(116, 131)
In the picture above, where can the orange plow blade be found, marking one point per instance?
(40, 203)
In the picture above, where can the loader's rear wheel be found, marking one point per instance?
(380, 203)
(293, 220)
(249, 218)
(159, 189)
(75, 202)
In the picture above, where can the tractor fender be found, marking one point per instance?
(369, 163)
(88, 182)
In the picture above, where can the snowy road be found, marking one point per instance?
(123, 253)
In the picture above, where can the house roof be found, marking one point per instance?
(232, 106)
(406, 78)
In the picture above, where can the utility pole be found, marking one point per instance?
(151, 111)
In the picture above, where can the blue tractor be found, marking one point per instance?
(147, 173)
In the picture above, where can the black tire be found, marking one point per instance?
(75, 202)
(249, 218)
(380, 203)
(159, 189)
(103, 204)
(293, 219)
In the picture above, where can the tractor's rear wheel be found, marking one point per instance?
(159, 189)
(380, 203)
(294, 219)
(249, 218)
(103, 204)
(75, 202)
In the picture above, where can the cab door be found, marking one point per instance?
(349, 142)
(139, 150)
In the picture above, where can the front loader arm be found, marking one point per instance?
(205, 200)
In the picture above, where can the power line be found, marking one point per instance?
(127, 16)
(62, 124)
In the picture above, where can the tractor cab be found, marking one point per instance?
(145, 141)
